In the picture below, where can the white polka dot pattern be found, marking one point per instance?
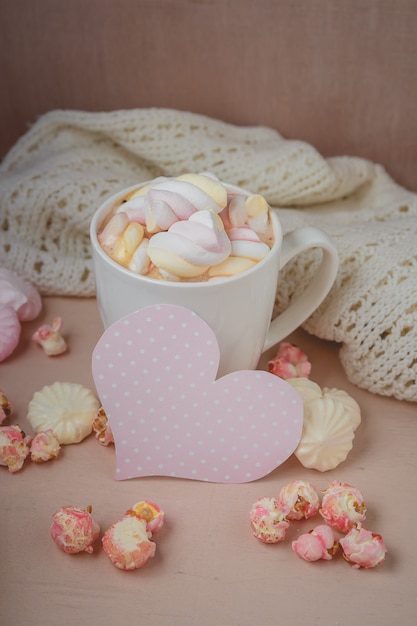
(155, 373)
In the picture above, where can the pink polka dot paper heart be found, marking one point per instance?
(155, 373)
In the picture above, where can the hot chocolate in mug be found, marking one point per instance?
(237, 308)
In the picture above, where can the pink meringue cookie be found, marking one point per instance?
(302, 499)
(10, 330)
(20, 295)
(190, 247)
(363, 548)
(319, 543)
(289, 362)
(268, 520)
(14, 447)
(127, 543)
(44, 447)
(6, 407)
(74, 530)
(342, 506)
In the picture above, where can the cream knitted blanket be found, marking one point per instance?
(57, 174)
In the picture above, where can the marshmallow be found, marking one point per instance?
(190, 247)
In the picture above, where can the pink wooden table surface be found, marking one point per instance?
(208, 568)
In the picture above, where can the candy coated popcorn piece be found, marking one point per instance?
(151, 513)
(101, 428)
(363, 548)
(268, 520)
(301, 497)
(14, 447)
(318, 544)
(44, 447)
(50, 338)
(289, 362)
(6, 408)
(127, 543)
(74, 530)
(342, 506)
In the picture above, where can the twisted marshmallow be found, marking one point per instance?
(159, 206)
(246, 251)
(190, 247)
(125, 243)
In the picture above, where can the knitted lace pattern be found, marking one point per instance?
(68, 162)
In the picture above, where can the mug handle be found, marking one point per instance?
(306, 303)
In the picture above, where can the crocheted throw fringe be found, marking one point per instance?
(68, 162)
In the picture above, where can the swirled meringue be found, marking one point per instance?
(190, 247)
(331, 418)
(67, 408)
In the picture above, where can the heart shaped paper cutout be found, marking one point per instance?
(155, 373)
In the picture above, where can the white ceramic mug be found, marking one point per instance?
(238, 309)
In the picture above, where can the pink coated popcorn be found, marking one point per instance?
(50, 338)
(362, 548)
(6, 408)
(14, 447)
(74, 530)
(289, 362)
(320, 543)
(150, 512)
(342, 506)
(44, 447)
(101, 428)
(268, 520)
(127, 543)
(301, 497)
